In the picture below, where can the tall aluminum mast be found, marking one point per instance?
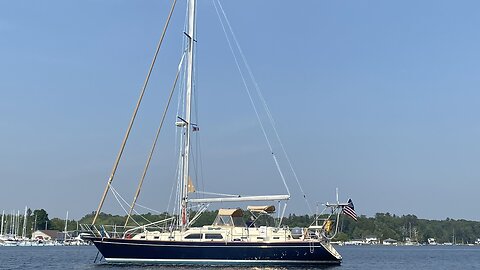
(188, 130)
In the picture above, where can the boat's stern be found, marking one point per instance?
(331, 249)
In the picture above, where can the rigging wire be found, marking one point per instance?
(250, 95)
(202, 184)
(178, 143)
(172, 189)
(147, 208)
(266, 108)
(132, 120)
(149, 159)
(117, 195)
(218, 194)
(175, 186)
(196, 108)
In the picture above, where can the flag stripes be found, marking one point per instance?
(349, 210)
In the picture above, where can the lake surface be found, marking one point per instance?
(354, 257)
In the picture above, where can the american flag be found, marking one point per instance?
(349, 210)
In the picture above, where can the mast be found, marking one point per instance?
(188, 100)
(65, 230)
(1, 229)
(24, 229)
(12, 222)
(17, 233)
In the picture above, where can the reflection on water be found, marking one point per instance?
(214, 267)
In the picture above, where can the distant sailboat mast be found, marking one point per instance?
(3, 215)
(24, 228)
(12, 223)
(65, 229)
(188, 112)
(17, 231)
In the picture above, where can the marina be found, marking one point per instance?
(14, 232)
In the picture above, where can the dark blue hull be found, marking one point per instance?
(210, 253)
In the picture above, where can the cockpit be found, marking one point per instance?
(229, 217)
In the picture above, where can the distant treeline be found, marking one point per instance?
(382, 225)
(386, 225)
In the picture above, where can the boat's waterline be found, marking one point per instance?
(218, 262)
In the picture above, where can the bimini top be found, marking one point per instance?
(230, 212)
(267, 209)
(229, 217)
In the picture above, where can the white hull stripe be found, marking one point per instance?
(193, 261)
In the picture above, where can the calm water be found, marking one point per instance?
(371, 257)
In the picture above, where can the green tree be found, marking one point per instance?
(41, 221)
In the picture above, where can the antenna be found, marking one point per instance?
(336, 192)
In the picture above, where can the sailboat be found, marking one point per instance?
(229, 240)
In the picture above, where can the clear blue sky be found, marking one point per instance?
(378, 98)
